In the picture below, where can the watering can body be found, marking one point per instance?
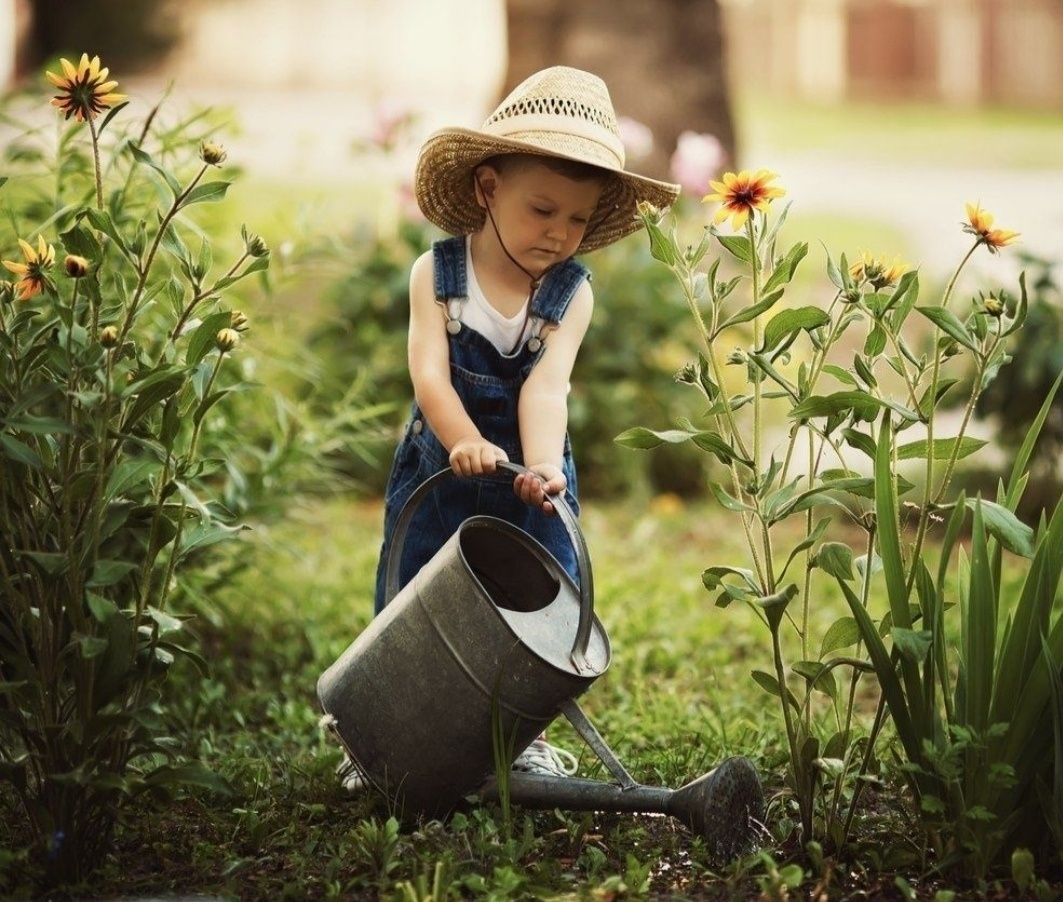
(490, 638)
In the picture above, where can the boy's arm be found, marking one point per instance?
(542, 410)
(429, 361)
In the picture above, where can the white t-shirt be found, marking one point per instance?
(477, 313)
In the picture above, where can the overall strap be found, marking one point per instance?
(558, 288)
(448, 255)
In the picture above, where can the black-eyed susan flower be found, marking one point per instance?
(740, 193)
(31, 273)
(980, 224)
(876, 271)
(84, 91)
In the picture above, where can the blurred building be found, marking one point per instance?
(954, 51)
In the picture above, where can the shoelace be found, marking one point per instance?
(541, 756)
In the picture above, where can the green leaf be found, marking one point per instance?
(819, 676)
(942, 448)
(732, 504)
(660, 247)
(836, 403)
(841, 375)
(50, 562)
(107, 573)
(948, 322)
(788, 322)
(150, 391)
(643, 439)
(102, 609)
(1022, 459)
(1005, 527)
(875, 343)
(784, 272)
(861, 441)
(19, 452)
(202, 339)
(91, 646)
(189, 775)
(775, 605)
(750, 313)
(771, 685)
(207, 193)
(835, 558)
(102, 222)
(147, 160)
(738, 245)
(840, 634)
(912, 644)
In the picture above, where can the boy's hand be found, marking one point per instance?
(533, 490)
(473, 456)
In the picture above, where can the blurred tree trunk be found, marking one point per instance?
(662, 61)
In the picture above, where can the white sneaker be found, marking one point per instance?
(547, 760)
(351, 777)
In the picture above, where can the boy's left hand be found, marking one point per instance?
(532, 490)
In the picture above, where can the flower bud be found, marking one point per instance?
(851, 296)
(993, 306)
(239, 321)
(108, 336)
(7, 295)
(212, 154)
(649, 212)
(256, 247)
(737, 356)
(951, 349)
(226, 339)
(76, 267)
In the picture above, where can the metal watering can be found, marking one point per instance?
(493, 632)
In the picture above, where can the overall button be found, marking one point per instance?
(417, 426)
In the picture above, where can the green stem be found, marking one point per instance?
(203, 294)
(924, 514)
(96, 163)
(145, 266)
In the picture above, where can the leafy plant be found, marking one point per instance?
(889, 388)
(109, 380)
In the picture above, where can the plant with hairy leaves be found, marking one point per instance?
(111, 372)
(889, 388)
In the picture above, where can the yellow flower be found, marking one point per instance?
(32, 279)
(84, 91)
(877, 272)
(980, 224)
(741, 193)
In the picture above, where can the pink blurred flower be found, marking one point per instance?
(408, 208)
(389, 120)
(636, 137)
(697, 159)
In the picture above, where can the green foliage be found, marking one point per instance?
(972, 770)
(116, 380)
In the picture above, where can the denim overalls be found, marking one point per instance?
(488, 382)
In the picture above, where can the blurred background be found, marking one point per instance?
(882, 117)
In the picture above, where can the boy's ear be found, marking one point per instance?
(485, 183)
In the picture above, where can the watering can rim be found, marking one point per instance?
(505, 526)
(578, 655)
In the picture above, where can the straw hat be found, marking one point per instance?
(558, 112)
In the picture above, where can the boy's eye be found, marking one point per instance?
(578, 221)
(541, 212)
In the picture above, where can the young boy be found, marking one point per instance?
(498, 313)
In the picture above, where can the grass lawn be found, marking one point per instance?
(677, 698)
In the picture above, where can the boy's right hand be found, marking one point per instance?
(473, 456)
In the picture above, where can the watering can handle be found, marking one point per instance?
(586, 584)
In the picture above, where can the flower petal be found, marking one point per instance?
(18, 268)
(68, 68)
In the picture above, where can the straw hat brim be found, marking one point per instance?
(443, 184)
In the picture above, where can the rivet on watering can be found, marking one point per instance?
(417, 426)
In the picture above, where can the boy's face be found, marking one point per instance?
(541, 215)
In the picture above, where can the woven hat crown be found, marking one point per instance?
(562, 103)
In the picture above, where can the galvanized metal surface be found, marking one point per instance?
(492, 621)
